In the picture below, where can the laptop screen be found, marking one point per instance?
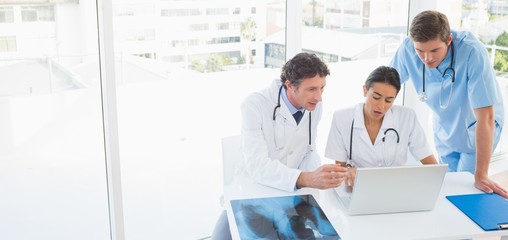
(394, 189)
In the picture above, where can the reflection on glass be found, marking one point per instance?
(52, 171)
(352, 30)
(182, 69)
(200, 36)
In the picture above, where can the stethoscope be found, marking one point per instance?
(278, 106)
(423, 95)
(349, 161)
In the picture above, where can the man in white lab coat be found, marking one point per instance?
(279, 150)
(279, 126)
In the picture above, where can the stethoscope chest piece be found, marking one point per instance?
(422, 97)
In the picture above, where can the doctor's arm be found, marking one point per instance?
(324, 176)
(484, 144)
(429, 160)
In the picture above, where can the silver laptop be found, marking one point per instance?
(393, 189)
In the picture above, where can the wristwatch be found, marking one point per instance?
(349, 165)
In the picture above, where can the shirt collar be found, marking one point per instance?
(290, 106)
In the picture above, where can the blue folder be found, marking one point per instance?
(489, 211)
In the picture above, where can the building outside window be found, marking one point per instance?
(174, 61)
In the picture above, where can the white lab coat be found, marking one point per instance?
(380, 154)
(276, 151)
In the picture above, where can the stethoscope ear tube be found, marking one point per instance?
(278, 103)
(423, 94)
(310, 116)
(391, 129)
(351, 140)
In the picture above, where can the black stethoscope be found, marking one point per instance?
(278, 106)
(349, 164)
(423, 95)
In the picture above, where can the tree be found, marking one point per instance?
(197, 65)
(500, 60)
(248, 33)
(313, 3)
(214, 63)
(316, 20)
(502, 40)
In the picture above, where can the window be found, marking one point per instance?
(52, 142)
(134, 9)
(222, 40)
(193, 42)
(180, 12)
(139, 34)
(205, 56)
(176, 43)
(353, 37)
(216, 11)
(8, 44)
(37, 13)
(195, 64)
(6, 15)
(198, 27)
(222, 26)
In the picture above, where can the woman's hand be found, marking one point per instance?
(350, 178)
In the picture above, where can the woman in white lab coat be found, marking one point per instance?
(377, 133)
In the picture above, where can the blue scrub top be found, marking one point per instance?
(475, 87)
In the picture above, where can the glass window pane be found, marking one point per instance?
(38, 13)
(6, 14)
(353, 37)
(179, 93)
(52, 167)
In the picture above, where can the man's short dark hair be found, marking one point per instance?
(429, 25)
(301, 66)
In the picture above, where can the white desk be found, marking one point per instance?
(444, 222)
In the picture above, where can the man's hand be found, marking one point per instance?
(487, 185)
(326, 176)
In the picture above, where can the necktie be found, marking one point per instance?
(298, 116)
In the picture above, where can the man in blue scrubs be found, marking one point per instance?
(451, 72)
